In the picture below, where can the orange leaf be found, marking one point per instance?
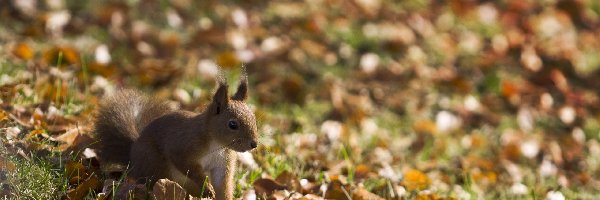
(69, 56)
(415, 180)
(102, 69)
(3, 115)
(425, 126)
(509, 89)
(23, 51)
(35, 133)
(427, 197)
(362, 171)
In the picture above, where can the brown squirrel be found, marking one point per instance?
(157, 141)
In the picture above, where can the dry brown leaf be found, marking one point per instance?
(7, 93)
(129, 190)
(106, 70)
(336, 190)
(67, 138)
(266, 187)
(362, 194)
(289, 180)
(75, 172)
(90, 185)
(168, 190)
(74, 141)
(511, 151)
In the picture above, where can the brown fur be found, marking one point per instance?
(159, 142)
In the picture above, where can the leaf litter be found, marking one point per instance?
(361, 99)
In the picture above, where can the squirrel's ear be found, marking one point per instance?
(242, 90)
(220, 99)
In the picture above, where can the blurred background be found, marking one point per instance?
(460, 99)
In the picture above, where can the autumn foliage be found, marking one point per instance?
(361, 99)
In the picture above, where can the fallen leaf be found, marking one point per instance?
(90, 185)
(427, 197)
(425, 126)
(415, 180)
(23, 51)
(336, 190)
(266, 187)
(289, 180)
(362, 194)
(361, 171)
(75, 172)
(67, 138)
(280, 195)
(168, 190)
(509, 89)
(61, 56)
(129, 189)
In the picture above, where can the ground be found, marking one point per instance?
(360, 99)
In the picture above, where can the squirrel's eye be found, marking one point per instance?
(232, 124)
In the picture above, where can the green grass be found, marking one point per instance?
(35, 178)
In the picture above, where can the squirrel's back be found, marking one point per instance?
(120, 119)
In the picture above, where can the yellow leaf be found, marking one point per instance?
(3, 115)
(427, 197)
(35, 133)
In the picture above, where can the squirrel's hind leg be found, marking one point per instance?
(147, 163)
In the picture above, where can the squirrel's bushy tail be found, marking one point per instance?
(121, 117)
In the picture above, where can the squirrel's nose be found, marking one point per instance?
(253, 144)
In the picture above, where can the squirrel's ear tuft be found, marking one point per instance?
(220, 99)
(242, 90)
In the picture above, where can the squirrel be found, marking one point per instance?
(158, 141)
